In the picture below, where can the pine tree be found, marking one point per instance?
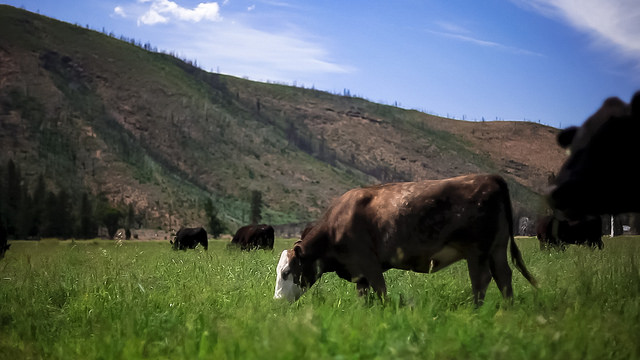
(49, 226)
(216, 227)
(88, 225)
(111, 219)
(256, 207)
(65, 215)
(12, 197)
(129, 221)
(38, 207)
(108, 216)
(24, 214)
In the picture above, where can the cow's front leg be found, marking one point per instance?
(373, 278)
(362, 286)
(480, 275)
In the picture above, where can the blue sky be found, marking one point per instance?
(552, 61)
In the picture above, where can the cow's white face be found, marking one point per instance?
(285, 287)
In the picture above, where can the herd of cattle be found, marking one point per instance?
(246, 238)
(425, 226)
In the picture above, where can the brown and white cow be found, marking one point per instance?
(599, 177)
(420, 226)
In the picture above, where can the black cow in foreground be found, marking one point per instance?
(254, 237)
(189, 238)
(556, 233)
(599, 177)
(419, 226)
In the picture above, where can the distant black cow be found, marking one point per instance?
(3, 240)
(557, 233)
(599, 177)
(254, 237)
(189, 238)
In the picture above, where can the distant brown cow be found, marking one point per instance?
(599, 177)
(420, 226)
(254, 237)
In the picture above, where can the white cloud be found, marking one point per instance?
(118, 10)
(161, 11)
(152, 17)
(457, 32)
(280, 53)
(452, 27)
(242, 50)
(251, 8)
(614, 23)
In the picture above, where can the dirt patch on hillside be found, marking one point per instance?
(526, 151)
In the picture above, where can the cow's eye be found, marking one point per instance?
(285, 274)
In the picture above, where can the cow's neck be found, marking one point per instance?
(315, 249)
(315, 245)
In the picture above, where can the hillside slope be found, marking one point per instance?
(93, 113)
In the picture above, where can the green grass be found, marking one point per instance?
(97, 299)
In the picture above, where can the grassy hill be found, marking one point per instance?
(97, 114)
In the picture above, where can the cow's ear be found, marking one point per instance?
(298, 251)
(566, 136)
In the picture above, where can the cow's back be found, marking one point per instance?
(254, 236)
(267, 236)
(191, 237)
(242, 235)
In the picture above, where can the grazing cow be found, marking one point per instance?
(254, 237)
(599, 176)
(552, 232)
(189, 238)
(420, 226)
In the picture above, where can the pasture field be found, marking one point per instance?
(97, 299)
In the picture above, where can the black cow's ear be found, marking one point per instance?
(298, 251)
(566, 136)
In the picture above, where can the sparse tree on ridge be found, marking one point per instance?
(216, 227)
(129, 221)
(88, 225)
(256, 207)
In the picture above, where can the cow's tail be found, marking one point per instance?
(516, 256)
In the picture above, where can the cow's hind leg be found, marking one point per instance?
(372, 278)
(480, 274)
(501, 272)
(596, 242)
(376, 281)
(362, 286)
